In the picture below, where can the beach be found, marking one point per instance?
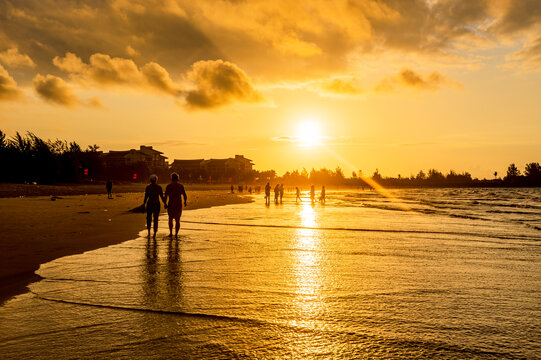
(38, 229)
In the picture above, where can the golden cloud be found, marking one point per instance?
(213, 82)
(8, 86)
(218, 83)
(528, 58)
(273, 39)
(13, 58)
(104, 70)
(55, 90)
(340, 86)
(411, 79)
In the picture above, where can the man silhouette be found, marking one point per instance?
(109, 187)
(153, 193)
(267, 194)
(174, 192)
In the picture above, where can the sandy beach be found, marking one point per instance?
(38, 229)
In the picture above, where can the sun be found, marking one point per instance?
(309, 134)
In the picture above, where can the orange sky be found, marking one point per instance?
(394, 85)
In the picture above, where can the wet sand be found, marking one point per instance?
(35, 230)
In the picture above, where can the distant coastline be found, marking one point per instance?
(35, 162)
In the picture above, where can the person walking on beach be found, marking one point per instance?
(298, 194)
(281, 192)
(109, 187)
(267, 194)
(153, 193)
(312, 193)
(174, 191)
(276, 193)
(322, 196)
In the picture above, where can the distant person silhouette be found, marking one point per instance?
(267, 194)
(298, 194)
(281, 192)
(276, 193)
(109, 187)
(232, 189)
(153, 193)
(312, 193)
(174, 192)
(250, 190)
(322, 196)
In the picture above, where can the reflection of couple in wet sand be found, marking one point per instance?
(153, 193)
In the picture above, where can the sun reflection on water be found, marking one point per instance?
(307, 269)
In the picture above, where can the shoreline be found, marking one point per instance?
(39, 229)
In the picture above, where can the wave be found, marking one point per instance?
(379, 345)
(400, 231)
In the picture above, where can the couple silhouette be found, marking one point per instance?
(154, 193)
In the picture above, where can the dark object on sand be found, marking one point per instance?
(139, 209)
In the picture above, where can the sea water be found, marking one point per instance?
(451, 273)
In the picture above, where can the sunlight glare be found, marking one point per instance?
(309, 133)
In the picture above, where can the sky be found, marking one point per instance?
(393, 85)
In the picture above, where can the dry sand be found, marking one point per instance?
(35, 230)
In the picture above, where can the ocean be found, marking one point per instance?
(437, 273)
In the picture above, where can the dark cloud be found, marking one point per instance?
(55, 90)
(219, 83)
(8, 86)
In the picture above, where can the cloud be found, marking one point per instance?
(104, 70)
(218, 83)
(12, 58)
(158, 78)
(338, 86)
(208, 84)
(411, 79)
(528, 58)
(8, 86)
(516, 17)
(276, 39)
(95, 102)
(55, 90)
(176, 143)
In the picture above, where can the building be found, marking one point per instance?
(135, 164)
(188, 169)
(237, 168)
(146, 154)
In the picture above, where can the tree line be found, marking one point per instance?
(432, 178)
(30, 159)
